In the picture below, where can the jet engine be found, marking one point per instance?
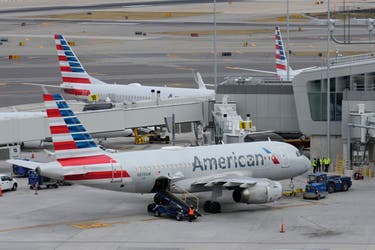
(263, 191)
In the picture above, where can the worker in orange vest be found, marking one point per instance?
(191, 213)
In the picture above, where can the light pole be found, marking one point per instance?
(287, 41)
(328, 82)
(215, 49)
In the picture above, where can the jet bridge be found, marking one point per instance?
(22, 127)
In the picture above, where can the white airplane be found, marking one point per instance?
(78, 83)
(248, 169)
(281, 61)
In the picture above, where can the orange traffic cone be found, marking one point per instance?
(32, 155)
(36, 188)
(282, 229)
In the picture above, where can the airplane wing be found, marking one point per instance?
(304, 69)
(225, 180)
(40, 85)
(253, 70)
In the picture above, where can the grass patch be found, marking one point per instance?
(123, 15)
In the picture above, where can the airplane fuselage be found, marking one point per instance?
(138, 171)
(132, 93)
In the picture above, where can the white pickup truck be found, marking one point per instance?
(8, 183)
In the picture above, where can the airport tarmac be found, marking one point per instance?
(77, 217)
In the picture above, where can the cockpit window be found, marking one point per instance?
(298, 153)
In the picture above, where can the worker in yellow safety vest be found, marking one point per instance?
(313, 163)
(327, 162)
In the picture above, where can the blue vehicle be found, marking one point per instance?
(338, 183)
(166, 204)
(35, 178)
(319, 184)
(20, 171)
(316, 186)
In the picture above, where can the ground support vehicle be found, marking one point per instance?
(35, 178)
(167, 204)
(20, 171)
(319, 184)
(336, 183)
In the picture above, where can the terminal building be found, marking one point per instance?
(299, 107)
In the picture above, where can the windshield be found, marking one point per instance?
(311, 178)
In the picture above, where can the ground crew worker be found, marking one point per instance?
(318, 165)
(325, 161)
(328, 163)
(321, 164)
(314, 165)
(191, 213)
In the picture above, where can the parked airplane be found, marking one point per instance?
(281, 61)
(77, 82)
(249, 169)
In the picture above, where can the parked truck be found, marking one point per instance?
(319, 184)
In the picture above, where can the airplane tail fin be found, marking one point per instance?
(72, 143)
(281, 56)
(199, 80)
(72, 71)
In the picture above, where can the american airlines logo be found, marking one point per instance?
(231, 161)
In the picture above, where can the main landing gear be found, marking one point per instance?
(212, 207)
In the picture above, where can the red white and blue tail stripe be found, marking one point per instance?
(72, 71)
(69, 136)
(74, 147)
(281, 57)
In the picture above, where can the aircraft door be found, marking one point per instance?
(284, 161)
(117, 173)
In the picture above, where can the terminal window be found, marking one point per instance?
(317, 94)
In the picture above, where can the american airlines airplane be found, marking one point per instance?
(78, 83)
(281, 61)
(250, 170)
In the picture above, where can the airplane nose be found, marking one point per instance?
(307, 163)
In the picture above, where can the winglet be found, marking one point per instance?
(199, 80)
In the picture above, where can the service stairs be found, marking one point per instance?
(184, 203)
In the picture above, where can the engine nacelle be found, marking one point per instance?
(262, 192)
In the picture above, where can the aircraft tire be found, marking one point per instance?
(207, 206)
(215, 207)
